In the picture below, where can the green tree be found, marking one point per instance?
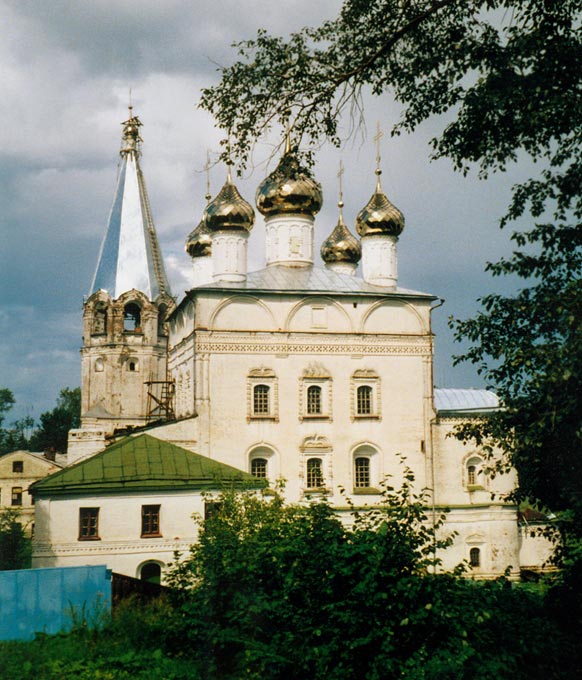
(507, 74)
(6, 402)
(15, 436)
(55, 424)
(15, 546)
(277, 591)
(529, 347)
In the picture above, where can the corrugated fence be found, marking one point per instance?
(51, 600)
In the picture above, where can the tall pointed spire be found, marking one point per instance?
(130, 255)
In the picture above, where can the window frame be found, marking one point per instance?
(474, 477)
(267, 378)
(320, 476)
(16, 497)
(150, 521)
(366, 379)
(89, 524)
(265, 464)
(315, 376)
(261, 400)
(18, 466)
(475, 558)
(364, 400)
(358, 474)
(132, 314)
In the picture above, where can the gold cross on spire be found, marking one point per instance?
(207, 170)
(340, 175)
(228, 161)
(287, 136)
(377, 138)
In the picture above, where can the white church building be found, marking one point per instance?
(303, 371)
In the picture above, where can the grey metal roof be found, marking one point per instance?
(465, 400)
(130, 254)
(280, 278)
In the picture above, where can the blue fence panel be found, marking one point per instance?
(51, 600)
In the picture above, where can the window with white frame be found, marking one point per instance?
(362, 472)
(314, 473)
(259, 467)
(316, 464)
(364, 401)
(365, 463)
(475, 557)
(261, 400)
(365, 394)
(262, 395)
(315, 393)
(474, 474)
(314, 400)
(263, 462)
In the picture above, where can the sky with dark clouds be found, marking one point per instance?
(67, 68)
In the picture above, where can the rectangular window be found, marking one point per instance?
(314, 473)
(259, 467)
(18, 466)
(314, 400)
(88, 524)
(364, 400)
(475, 557)
(150, 520)
(16, 495)
(261, 400)
(362, 473)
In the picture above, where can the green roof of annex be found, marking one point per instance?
(144, 463)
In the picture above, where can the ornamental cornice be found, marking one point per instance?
(322, 344)
(111, 547)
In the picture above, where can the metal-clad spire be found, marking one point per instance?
(130, 255)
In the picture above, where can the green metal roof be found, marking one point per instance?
(144, 463)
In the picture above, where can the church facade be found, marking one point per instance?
(302, 371)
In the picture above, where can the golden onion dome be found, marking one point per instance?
(199, 242)
(229, 211)
(379, 216)
(341, 245)
(289, 190)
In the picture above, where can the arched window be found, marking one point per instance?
(132, 318)
(475, 557)
(362, 477)
(262, 394)
(99, 321)
(263, 462)
(132, 365)
(314, 477)
(259, 467)
(261, 400)
(364, 400)
(475, 477)
(151, 572)
(313, 400)
(99, 365)
(162, 313)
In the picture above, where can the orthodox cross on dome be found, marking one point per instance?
(340, 174)
(228, 162)
(377, 138)
(208, 195)
(287, 137)
(130, 138)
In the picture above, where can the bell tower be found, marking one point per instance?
(124, 353)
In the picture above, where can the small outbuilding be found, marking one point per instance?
(131, 506)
